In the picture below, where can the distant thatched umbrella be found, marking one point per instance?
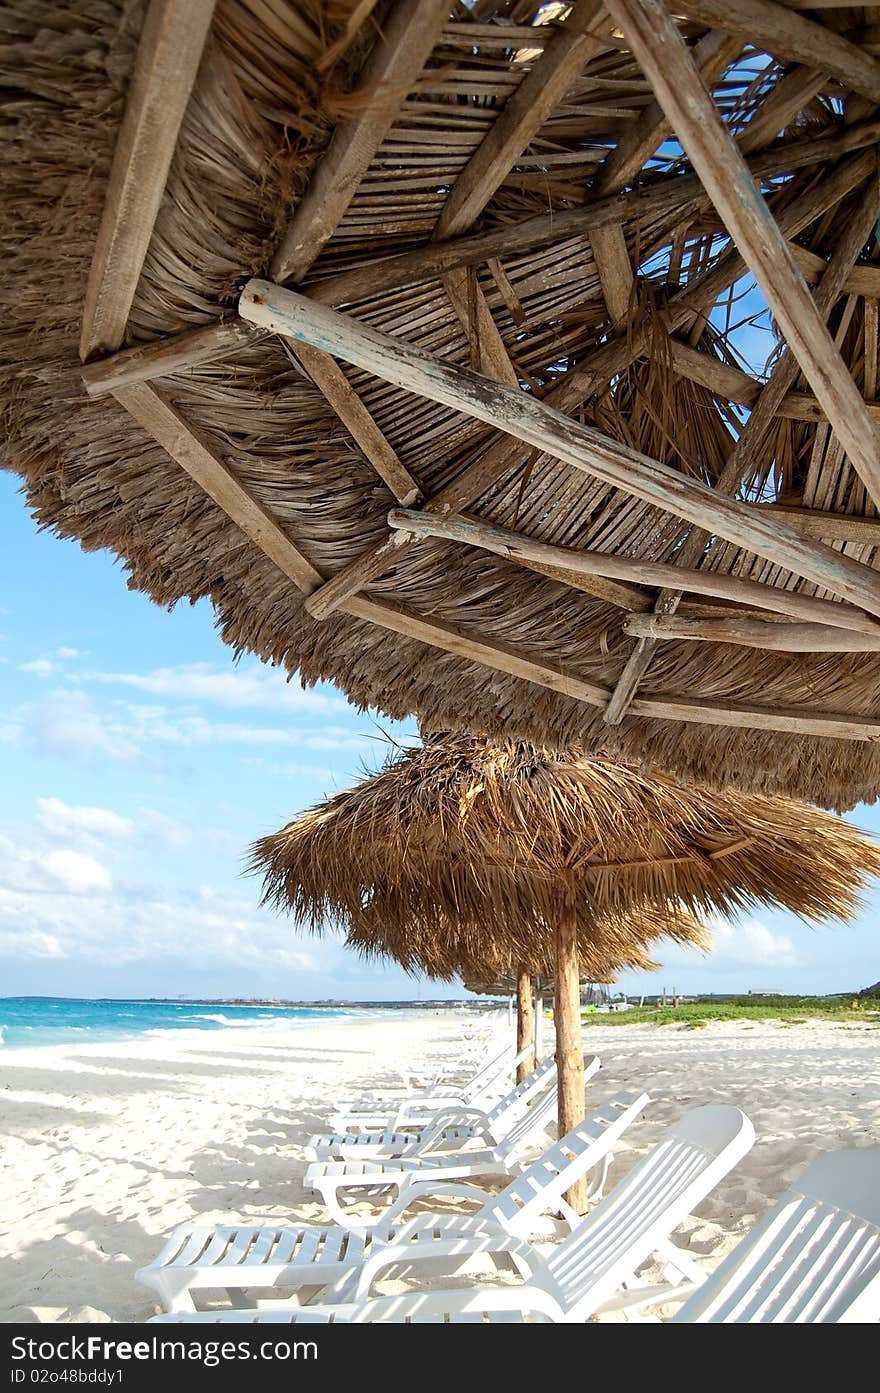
(606, 946)
(501, 837)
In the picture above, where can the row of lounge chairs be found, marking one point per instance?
(815, 1257)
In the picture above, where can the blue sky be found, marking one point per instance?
(138, 762)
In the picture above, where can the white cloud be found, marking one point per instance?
(76, 873)
(90, 826)
(253, 686)
(751, 943)
(28, 869)
(40, 667)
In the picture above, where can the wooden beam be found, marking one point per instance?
(752, 633)
(515, 546)
(402, 49)
(794, 91)
(665, 60)
(743, 716)
(176, 353)
(521, 117)
(167, 61)
(169, 428)
(785, 34)
(183, 443)
(489, 653)
(830, 527)
(760, 417)
(862, 280)
(615, 272)
(713, 55)
(521, 415)
(331, 381)
(571, 391)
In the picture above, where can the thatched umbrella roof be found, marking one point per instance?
(493, 185)
(606, 946)
(483, 834)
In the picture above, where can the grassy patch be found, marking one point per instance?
(794, 1010)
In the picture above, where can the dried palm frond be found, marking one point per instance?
(467, 845)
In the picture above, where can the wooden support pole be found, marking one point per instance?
(525, 1024)
(667, 63)
(502, 542)
(167, 61)
(520, 415)
(180, 351)
(571, 1107)
(752, 633)
(165, 424)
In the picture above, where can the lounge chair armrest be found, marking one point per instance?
(476, 1118)
(410, 1193)
(428, 1249)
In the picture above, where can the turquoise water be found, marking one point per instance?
(36, 1020)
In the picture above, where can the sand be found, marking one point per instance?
(104, 1149)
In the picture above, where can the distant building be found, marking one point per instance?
(765, 991)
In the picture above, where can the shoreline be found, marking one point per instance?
(106, 1148)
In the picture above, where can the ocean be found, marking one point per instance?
(26, 1021)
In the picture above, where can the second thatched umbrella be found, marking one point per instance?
(606, 946)
(500, 836)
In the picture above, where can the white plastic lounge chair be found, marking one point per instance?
(239, 1258)
(411, 1111)
(451, 1129)
(343, 1184)
(593, 1269)
(813, 1258)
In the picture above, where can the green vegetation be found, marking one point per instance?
(792, 1009)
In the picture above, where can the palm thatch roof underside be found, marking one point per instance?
(444, 945)
(466, 846)
(535, 489)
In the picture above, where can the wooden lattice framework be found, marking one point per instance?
(520, 210)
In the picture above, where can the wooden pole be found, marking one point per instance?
(525, 1026)
(567, 1021)
(534, 422)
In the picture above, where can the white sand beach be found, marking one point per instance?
(103, 1149)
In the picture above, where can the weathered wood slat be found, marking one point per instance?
(615, 272)
(522, 116)
(517, 414)
(666, 61)
(402, 49)
(792, 93)
(168, 57)
(786, 720)
(176, 352)
(331, 381)
(760, 417)
(752, 633)
(788, 35)
(831, 527)
(515, 545)
(183, 443)
(713, 54)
